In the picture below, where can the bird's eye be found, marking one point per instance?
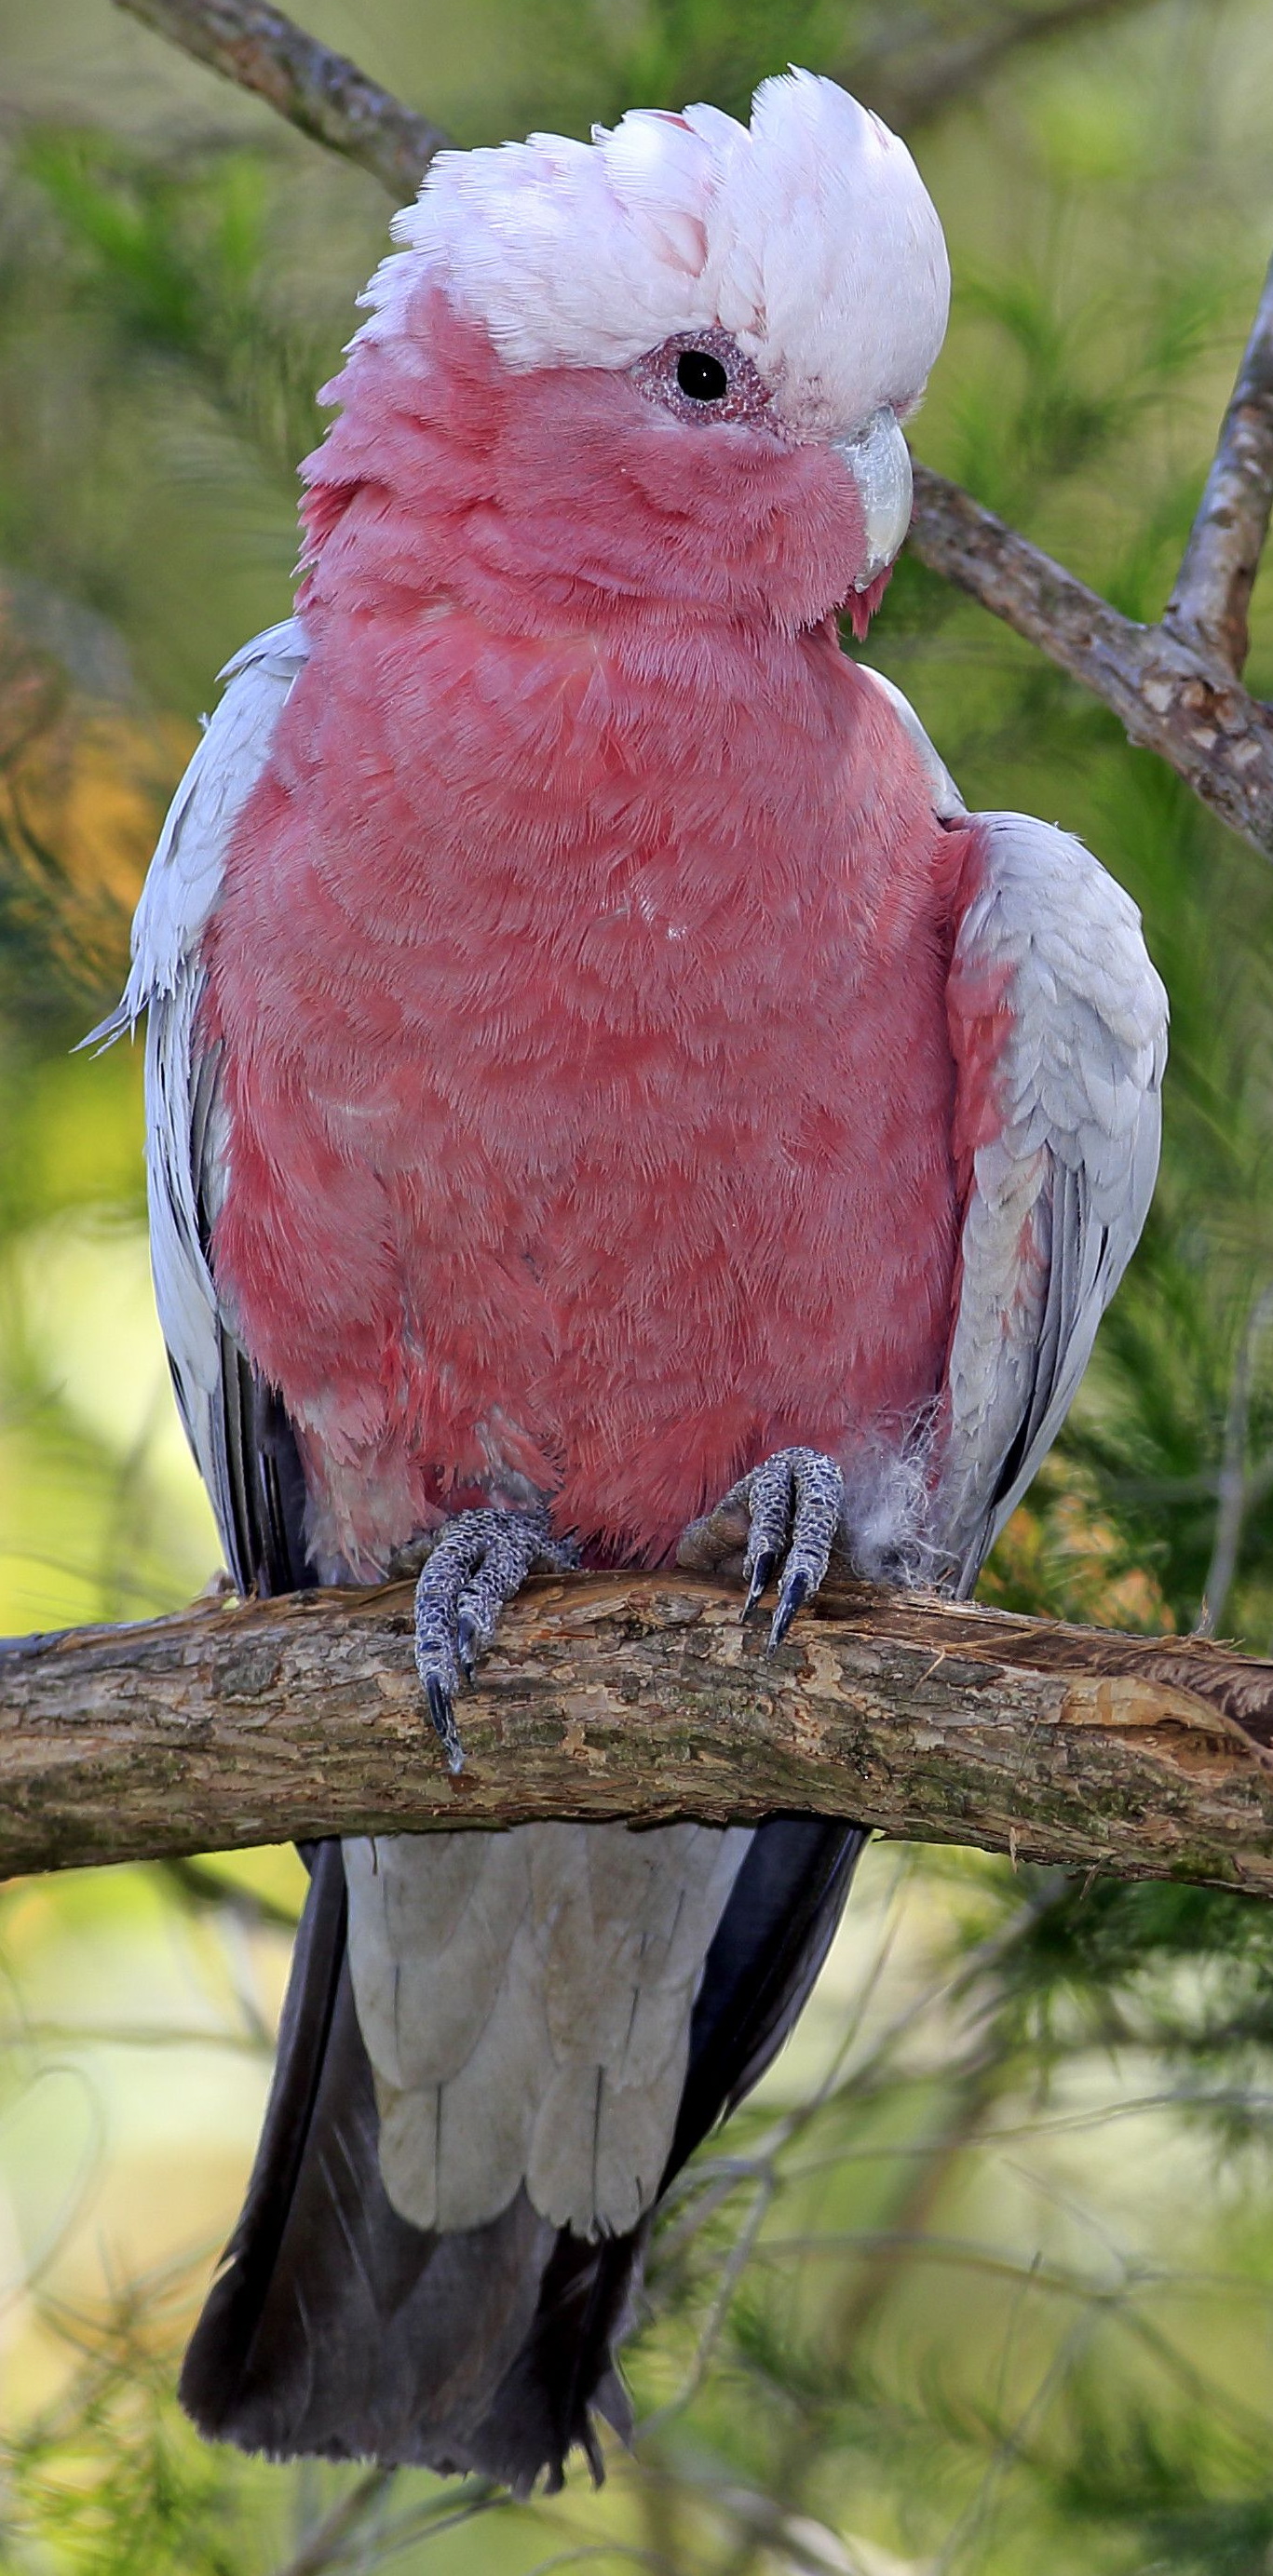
(701, 376)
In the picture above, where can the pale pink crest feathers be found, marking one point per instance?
(808, 235)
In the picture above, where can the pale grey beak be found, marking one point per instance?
(879, 461)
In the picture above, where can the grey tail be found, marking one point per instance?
(336, 2329)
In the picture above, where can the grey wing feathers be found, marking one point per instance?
(184, 877)
(1061, 1183)
(240, 1440)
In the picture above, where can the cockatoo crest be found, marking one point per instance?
(808, 236)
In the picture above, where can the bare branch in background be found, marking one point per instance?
(641, 1696)
(907, 68)
(328, 98)
(1208, 607)
(1164, 692)
(208, 1890)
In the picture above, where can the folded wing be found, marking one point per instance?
(236, 1428)
(1058, 1024)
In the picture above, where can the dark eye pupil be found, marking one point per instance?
(701, 376)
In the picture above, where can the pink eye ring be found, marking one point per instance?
(704, 377)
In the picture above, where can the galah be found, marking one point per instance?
(606, 1097)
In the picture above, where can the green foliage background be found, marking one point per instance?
(983, 2279)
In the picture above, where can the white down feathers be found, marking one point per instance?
(1062, 1188)
(809, 236)
(525, 2001)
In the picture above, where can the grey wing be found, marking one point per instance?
(240, 1438)
(1059, 1027)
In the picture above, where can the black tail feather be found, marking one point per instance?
(773, 1937)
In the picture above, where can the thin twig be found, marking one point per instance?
(326, 2544)
(887, 2252)
(975, 2085)
(328, 97)
(438, 2514)
(124, 2034)
(1208, 607)
(208, 1889)
(1167, 695)
(727, 2279)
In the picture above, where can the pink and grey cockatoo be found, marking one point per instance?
(606, 1095)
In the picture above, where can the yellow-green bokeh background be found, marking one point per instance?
(1009, 2303)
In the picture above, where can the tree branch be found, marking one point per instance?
(1190, 710)
(641, 1696)
(909, 71)
(1208, 607)
(329, 98)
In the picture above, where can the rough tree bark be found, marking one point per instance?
(642, 1696)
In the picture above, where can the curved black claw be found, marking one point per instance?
(795, 1592)
(442, 1713)
(762, 1575)
(471, 1573)
(789, 1511)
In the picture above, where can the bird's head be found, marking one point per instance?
(687, 345)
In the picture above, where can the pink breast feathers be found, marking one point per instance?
(580, 981)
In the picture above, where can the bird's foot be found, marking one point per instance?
(786, 1511)
(476, 1564)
